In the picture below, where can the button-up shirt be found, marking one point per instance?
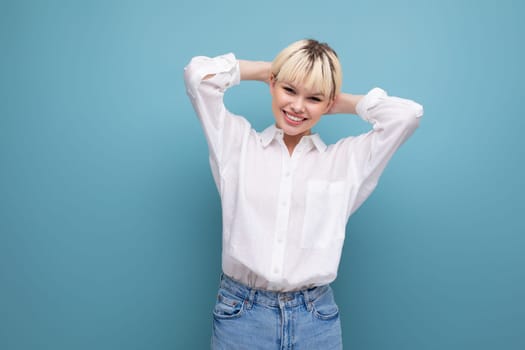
(284, 216)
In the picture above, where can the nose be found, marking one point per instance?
(298, 105)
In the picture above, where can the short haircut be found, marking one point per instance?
(312, 63)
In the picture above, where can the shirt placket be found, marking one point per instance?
(283, 212)
(283, 215)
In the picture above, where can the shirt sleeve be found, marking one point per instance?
(206, 81)
(393, 121)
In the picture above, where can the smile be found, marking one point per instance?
(292, 119)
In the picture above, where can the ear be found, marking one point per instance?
(271, 82)
(329, 106)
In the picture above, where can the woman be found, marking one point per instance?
(286, 196)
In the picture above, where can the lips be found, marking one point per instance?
(293, 119)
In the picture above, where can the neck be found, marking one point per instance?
(293, 140)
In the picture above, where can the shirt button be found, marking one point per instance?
(280, 240)
(287, 174)
(276, 270)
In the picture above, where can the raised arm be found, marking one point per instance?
(207, 79)
(393, 120)
(345, 103)
(251, 70)
(255, 70)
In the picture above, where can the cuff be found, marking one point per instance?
(225, 69)
(369, 101)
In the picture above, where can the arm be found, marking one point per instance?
(345, 103)
(393, 121)
(251, 70)
(255, 70)
(207, 79)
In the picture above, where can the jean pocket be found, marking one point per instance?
(228, 306)
(324, 307)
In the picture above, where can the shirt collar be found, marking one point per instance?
(318, 143)
(272, 132)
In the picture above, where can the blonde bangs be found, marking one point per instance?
(321, 73)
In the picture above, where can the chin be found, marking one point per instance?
(294, 132)
(287, 129)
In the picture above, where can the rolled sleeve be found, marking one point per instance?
(393, 120)
(224, 69)
(206, 81)
(373, 105)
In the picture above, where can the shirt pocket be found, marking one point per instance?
(324, 220)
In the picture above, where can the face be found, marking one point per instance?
(297, 109)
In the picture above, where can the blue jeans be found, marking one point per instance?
(246, 318)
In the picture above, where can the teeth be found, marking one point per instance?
(295, 119)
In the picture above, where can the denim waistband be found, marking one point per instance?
(270, 298)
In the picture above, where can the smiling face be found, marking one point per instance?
(297, 108)
(306, 78)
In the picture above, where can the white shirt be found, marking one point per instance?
(284, 217)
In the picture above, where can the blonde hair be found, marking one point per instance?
(312, 63)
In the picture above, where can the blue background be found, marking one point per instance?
(109, 218)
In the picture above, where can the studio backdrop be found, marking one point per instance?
(110, 223)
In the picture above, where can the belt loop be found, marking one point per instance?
(250, 299)
(221, 278)
(307, 302)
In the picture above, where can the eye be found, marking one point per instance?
(315, 99)
(288, 89)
